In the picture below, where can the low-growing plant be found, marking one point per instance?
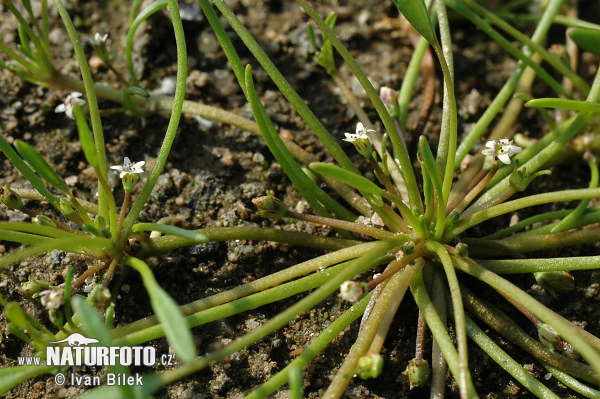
(412, 224)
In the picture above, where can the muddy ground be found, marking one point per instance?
(214, 171)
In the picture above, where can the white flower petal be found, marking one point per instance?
(489, 153)
(491, 144)
(60, 108)
(513, 149)
(360, 129)
(504, 158)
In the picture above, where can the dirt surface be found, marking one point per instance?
(214, 171)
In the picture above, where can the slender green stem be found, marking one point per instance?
(35, 229)
(572, 383)
(507, 362)
(287, 90)
(438, 329)
(255, 286)
(170, 242)
(514, 51)
(446, 46)
(312, 350)
(514, 266)
(342, 224)
(541, 242)
(217, 312)
(165, 148)
(464, 377)
(570, 221)
(398, 282)
(528, 222)
(545, 148)
(507, 90)
(508, 328)
(553, 60)
(399, 150)
(106, 202)
(564, 328)
(521, 203)
(356, 266)
(438, 363)
(81, 245)
(320, 201)
(410, 79)
(133, 26)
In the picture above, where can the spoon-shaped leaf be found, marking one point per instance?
(416, 13)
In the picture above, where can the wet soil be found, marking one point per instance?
(214, 171)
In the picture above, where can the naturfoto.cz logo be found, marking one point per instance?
(79, 353)
(79, 350)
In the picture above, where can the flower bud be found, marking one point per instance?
(52, 299)
(390, 100)
(43, 220)
(270, 207)
(11, 199)
(461, 250)
(408, 247)
(550, 338)
(418, 372)
(65, 207)
(32, 287)
(556, 282)
(369, 366)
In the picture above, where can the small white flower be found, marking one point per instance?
(51, 299)
(129, 168)
(361, 134)
(352, 291)
(360, 140)
(99, 39)
(67, 104)
(502, 149)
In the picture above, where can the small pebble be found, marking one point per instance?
(27, 136)
(96, 62)
(71, 180)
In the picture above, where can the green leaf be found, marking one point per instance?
(39, 164)
(415, 11)
(587, 39)
(168, 313)
(93, 326)
(562, 103)
(345, 176)
(11, 376)
(85, 136)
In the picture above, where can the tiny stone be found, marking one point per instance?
(180, 201)
(2, 249)
(258, 157)
(125, 288)
(228, 160)
(96, 62)
(27, 136)
(287, 134)
(71, 180)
